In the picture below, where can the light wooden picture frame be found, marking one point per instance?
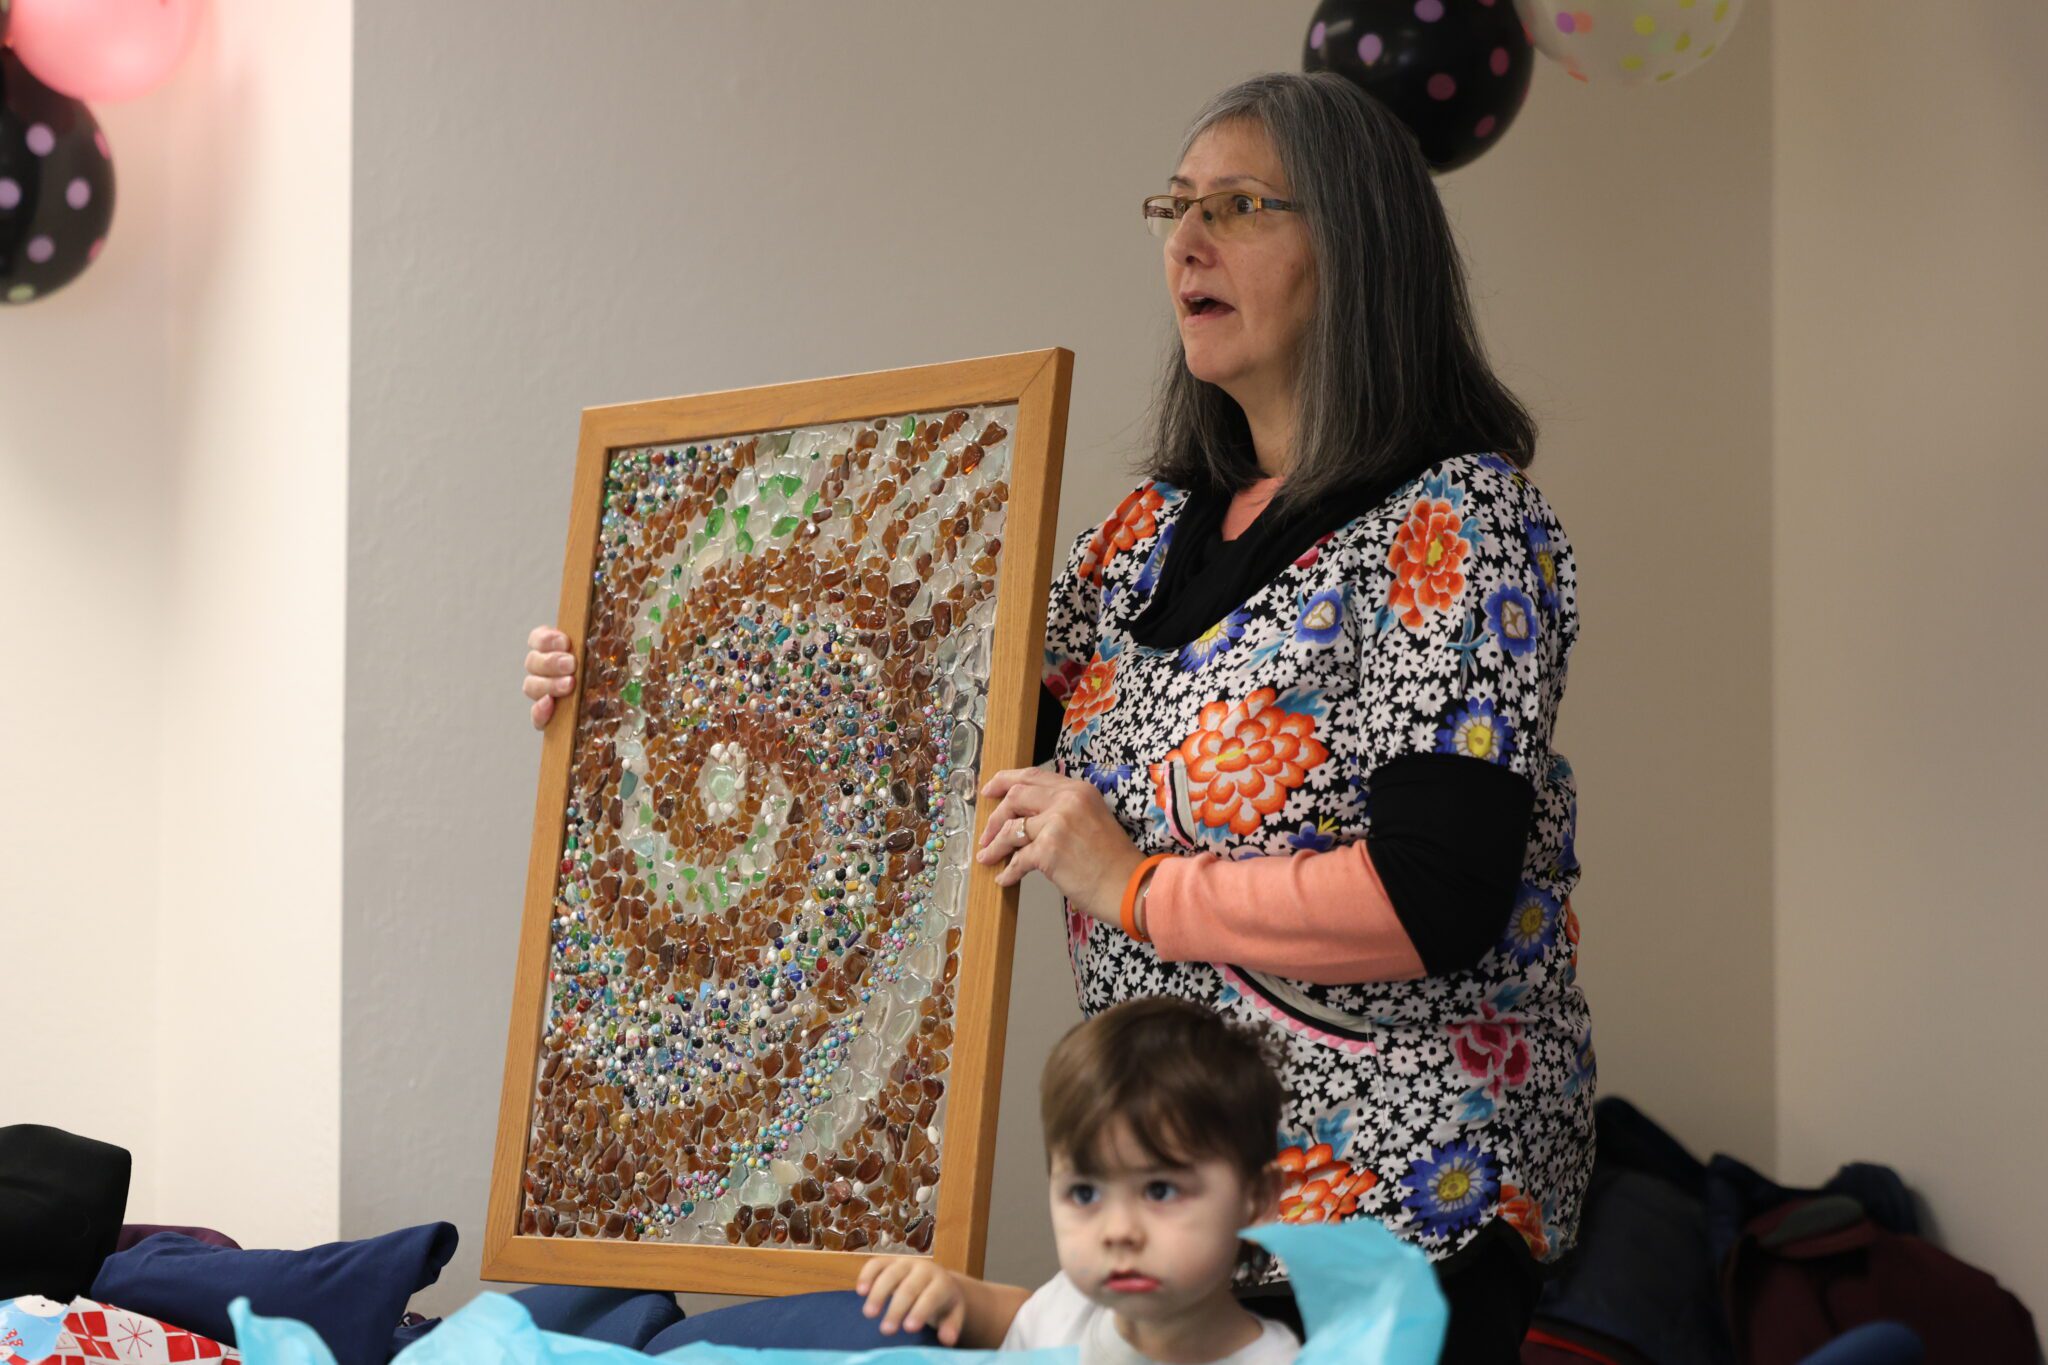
(757, 1020)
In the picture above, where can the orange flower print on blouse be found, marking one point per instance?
(1321, 1186)
(1519, 1211)
(1428, 559)
(1242, 762)
(1094, 692)
(1130, 523)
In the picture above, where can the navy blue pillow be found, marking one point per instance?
(351, 1293)
(826, 1321)
(620, 1317)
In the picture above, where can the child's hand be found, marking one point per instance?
(915, 1293)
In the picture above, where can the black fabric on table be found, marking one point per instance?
(61, 1201)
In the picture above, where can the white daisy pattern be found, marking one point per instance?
(1440, 622)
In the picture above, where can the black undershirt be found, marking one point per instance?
(1448, 832)
(1206, 577)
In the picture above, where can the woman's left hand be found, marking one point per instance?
(1059, 826)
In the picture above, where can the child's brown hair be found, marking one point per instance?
(1187, 1084)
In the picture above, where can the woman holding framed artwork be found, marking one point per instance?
(1301, 686)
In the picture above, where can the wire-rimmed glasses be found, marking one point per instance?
(1226, 213)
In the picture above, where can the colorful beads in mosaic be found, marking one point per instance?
(758, 915)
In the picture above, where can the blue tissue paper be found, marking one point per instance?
(1367, 1298)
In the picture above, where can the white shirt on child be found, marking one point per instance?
(1058, 1314)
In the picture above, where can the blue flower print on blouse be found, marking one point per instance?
(1512, 619)
(1149, 575)
(1106, 777)
(1316, 836)
(1214, 640)
(1322, 617)
(1585, 1067)
(1477, 731)
(1532, 925)
(1451, 1187)
(1543, 555)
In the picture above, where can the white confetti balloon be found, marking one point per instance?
(1629, 42)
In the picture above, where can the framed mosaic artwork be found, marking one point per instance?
(757, 1021)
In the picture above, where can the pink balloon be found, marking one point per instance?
(103, 49)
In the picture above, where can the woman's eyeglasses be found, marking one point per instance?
(1226, 213)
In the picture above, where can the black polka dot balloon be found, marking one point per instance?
(56, 186)
(1455, 71)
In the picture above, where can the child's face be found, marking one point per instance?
(1148, 1240)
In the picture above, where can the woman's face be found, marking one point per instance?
(1248, 341)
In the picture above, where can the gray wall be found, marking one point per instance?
(559, 207)
(1909, 820)
(173, 479)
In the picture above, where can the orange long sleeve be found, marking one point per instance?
(1320, 917)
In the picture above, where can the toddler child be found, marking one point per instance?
(1161, 1129)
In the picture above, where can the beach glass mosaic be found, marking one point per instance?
(756, 925)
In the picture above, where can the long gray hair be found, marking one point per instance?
(1392, 373)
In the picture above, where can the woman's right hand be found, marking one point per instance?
(550, 672)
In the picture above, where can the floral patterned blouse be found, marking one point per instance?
(1440, 622)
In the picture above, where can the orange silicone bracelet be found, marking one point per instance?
(1130, 906)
